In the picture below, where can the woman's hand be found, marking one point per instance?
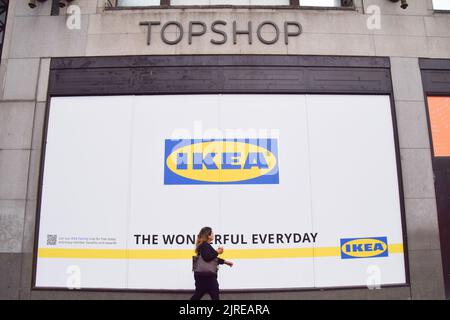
(219, 250)
(229, 263)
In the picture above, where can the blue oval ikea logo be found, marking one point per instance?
(221, 161)
(355, 248)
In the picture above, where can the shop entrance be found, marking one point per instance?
(439, 115)
(436, 85)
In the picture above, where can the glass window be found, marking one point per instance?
(314, 3)
(138, 3)
(441, 4)
(230, 2)
(3, 14)
(321, 3)
(439, 110)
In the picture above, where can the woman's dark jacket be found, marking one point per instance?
(208, 253)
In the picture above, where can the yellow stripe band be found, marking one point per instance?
(172, 254)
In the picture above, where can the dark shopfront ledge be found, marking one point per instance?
(224, 7)
(196, 74)
(434, 64)
(220, 60)
(349, 290)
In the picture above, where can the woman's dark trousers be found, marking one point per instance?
(206, 284)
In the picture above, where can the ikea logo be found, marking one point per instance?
(364, 248)
(221, 161)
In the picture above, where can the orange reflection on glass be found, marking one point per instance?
(439, 110)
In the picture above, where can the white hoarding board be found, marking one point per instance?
(301, 190)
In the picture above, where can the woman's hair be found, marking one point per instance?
(202, 237)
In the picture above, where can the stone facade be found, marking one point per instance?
(33, 37)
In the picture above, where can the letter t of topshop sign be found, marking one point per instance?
(270, 35)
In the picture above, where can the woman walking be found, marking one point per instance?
(206, 278)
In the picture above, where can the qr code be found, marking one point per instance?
(51, 239)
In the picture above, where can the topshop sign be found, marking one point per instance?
(267, 32)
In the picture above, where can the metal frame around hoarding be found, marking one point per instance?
(220, 74)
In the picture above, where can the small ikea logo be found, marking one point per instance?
(221, 161)
(358, 248)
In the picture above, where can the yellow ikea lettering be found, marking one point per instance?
(364, 248)
(224, 161)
